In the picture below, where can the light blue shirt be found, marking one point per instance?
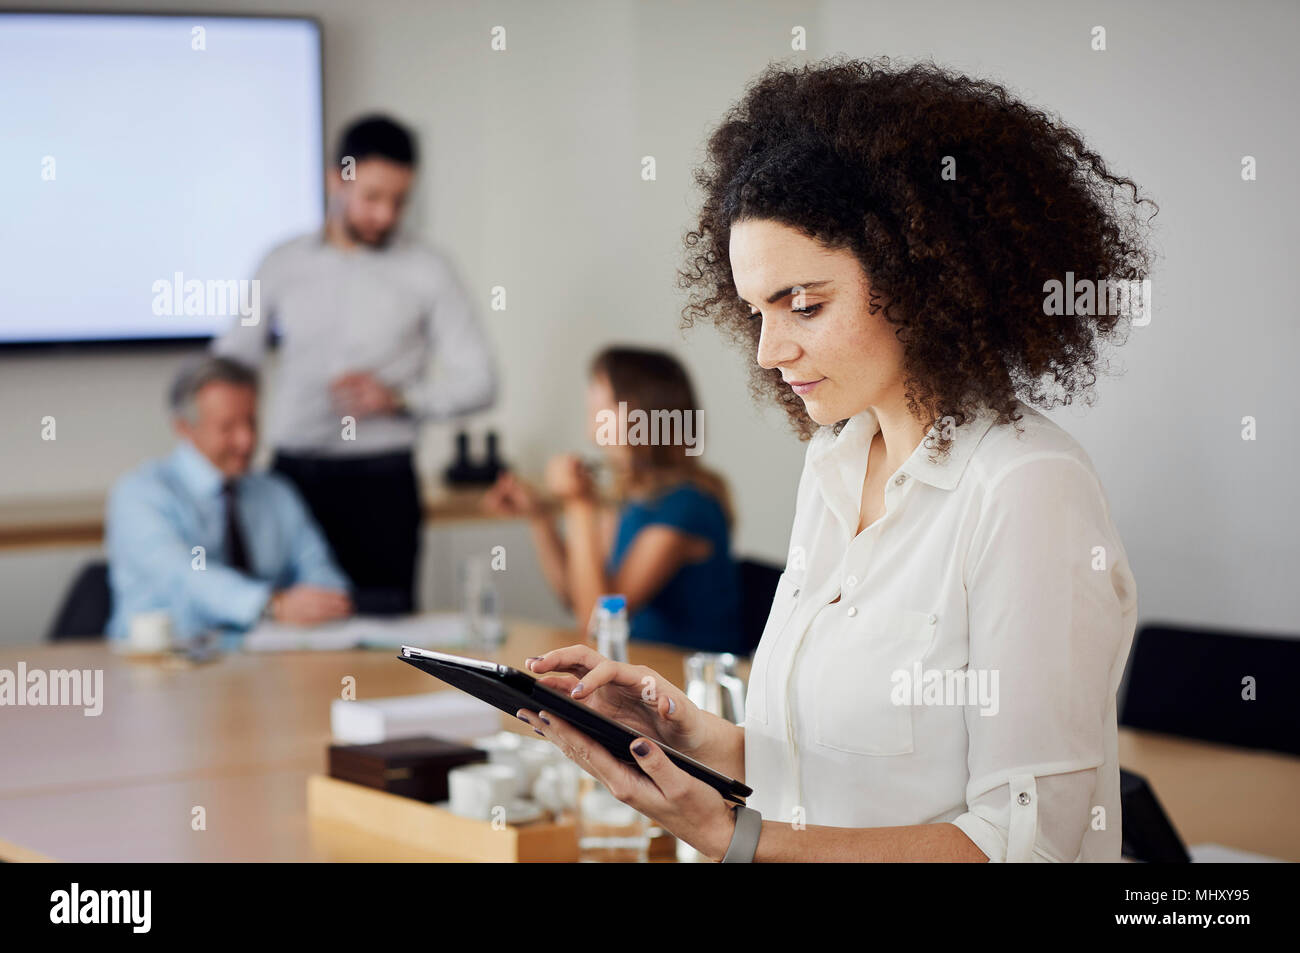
(159, 513)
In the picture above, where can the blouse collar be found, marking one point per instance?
(840, 460)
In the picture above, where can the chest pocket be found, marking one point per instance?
(855, 664)
(783, 606)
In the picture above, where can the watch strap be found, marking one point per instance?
(744, 840)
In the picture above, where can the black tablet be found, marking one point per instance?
(509, 689)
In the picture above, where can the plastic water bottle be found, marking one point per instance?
(609, 627)
(491, 631)
(608, 830)
(481, 605)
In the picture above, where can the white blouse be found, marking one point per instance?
(969, 670)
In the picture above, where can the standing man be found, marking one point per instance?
(362, 313)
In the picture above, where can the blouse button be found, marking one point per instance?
(933, 618)
(851, 581)
(1023, 799)
(853, 610)
(900, 479)
(796, 594)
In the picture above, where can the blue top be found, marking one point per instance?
(699, 607)
(158, 514)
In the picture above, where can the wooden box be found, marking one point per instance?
(436, 830)
(411, 767)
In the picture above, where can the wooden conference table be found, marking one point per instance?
(241, 735)
(79, 521)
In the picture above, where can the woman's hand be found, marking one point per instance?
(511, 496)
(635, 695)
(686, 807)
(568, 479)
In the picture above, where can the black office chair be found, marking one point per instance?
(758, 582)
(84, 611)
(1148, 834)
(1188, 682)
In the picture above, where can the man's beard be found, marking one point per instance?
(384, 239)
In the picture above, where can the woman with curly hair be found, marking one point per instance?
(938, 674)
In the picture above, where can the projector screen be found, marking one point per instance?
(149, 163)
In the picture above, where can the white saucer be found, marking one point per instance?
(520, 811)
(524, 811)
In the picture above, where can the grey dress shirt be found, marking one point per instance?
(394, 312)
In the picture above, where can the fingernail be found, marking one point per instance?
(672, 706)
(536, 732)
(640, 749)
(520, 715)
(545, 720)
(576, 689)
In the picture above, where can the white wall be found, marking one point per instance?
(1183, 91)
(532, 181)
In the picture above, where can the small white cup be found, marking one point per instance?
(150, 632)
(556, 788)
(475, 789)
(531, 758)
(508, 747)
(502, 740)
(513, 759)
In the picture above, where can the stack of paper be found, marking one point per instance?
(447, 714)
(430, 630)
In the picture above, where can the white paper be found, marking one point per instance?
(428, 630)
(443, 714)
(1218, 854)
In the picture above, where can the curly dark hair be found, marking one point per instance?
(850, 153)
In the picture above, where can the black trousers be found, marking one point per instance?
(369, 509)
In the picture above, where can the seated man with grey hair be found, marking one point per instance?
(198, 536)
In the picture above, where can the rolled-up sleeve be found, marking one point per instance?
(1044, 615)
(1006, 824)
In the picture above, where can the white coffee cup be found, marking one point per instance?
(556, 788)
(533, 755)
(150, 632)
(477, 789)
(507, 747)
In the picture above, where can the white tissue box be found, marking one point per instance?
(449, 714)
